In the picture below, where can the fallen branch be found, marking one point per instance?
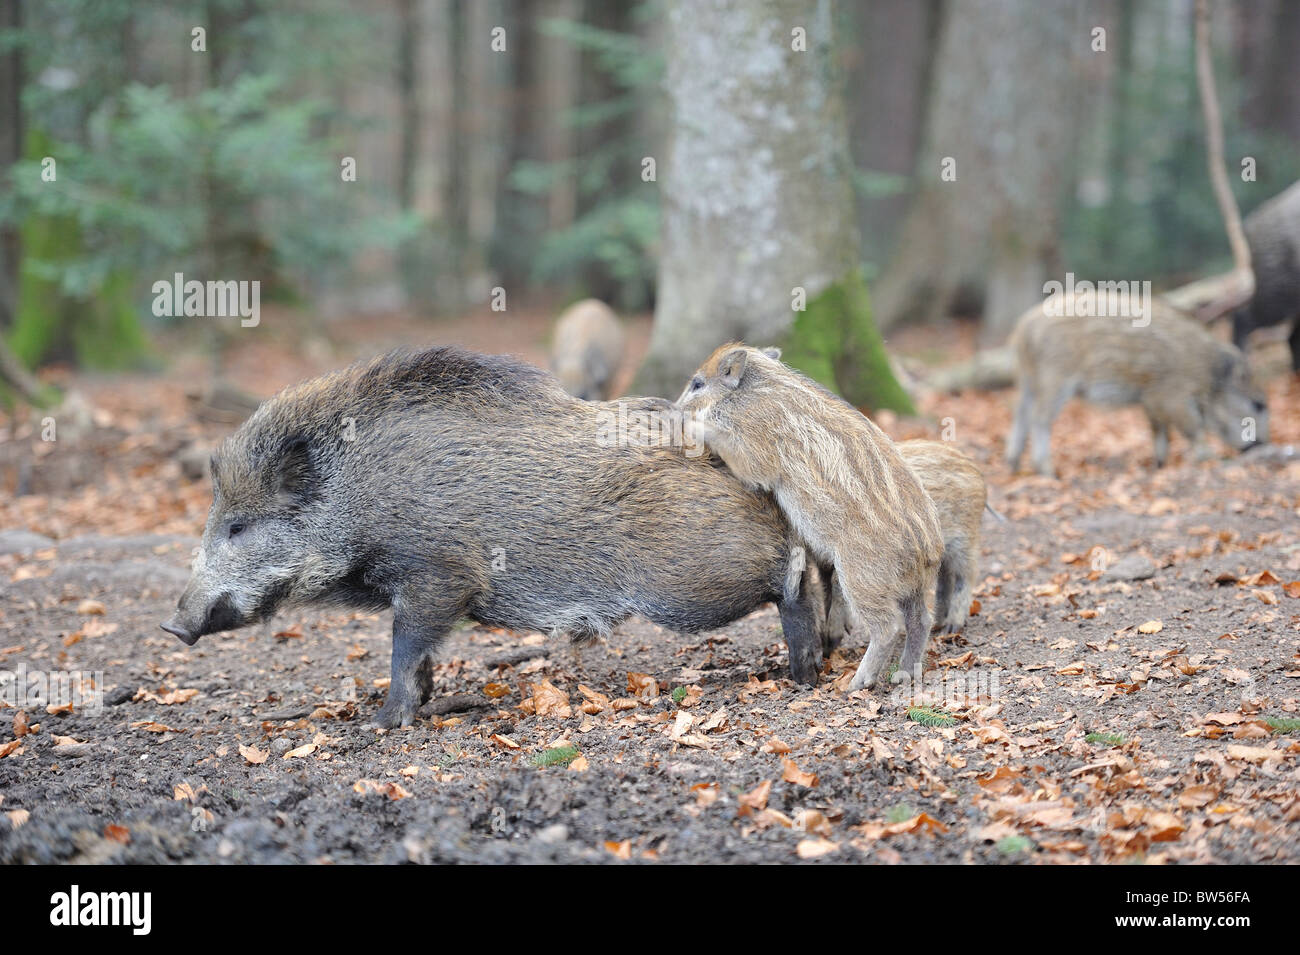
(19, 378)
(986, 370)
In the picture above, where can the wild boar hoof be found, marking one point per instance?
(390, 717)
(804, 672)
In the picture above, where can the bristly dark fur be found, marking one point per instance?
(447, 484)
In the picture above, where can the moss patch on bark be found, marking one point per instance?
(835, 341)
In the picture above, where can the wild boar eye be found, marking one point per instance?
(697, 383)
(236, 529)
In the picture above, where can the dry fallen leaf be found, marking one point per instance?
(812, 820)
(815, 848)
(619, 850)
(166, 698)
(151, 726)
(755, 799)
(90, 607)
(301, 751)
(593, 701)
(921, 821)
(1151, 626)
(253, 755)
(642, 685)
(1196, 797)
(374, 787)
(550, 700)
(793, 774)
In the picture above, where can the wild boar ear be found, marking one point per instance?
(773, 353)
(1225, 364)
(295, 478)
(732, 367)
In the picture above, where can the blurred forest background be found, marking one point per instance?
(525, 167)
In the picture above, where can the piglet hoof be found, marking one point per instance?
(862, 681)
(900, 676)
(392, 715)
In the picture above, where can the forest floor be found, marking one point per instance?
(1127, 689)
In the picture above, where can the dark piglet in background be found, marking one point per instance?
(445, 484)
(1273, 233)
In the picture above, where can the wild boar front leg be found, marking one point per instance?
(417, 631)
(1020, 426)
(1160, 437)
(1045, 409)
(801, 618)
(838, 625)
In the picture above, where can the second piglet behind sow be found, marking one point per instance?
(841, 484)
(960, 495)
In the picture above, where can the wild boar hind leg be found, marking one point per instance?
(417, 631)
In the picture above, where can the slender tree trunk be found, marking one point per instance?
(1268, 50)
(520, 218)
(1214, 141)
(456, 194)
(11, 151)
(890, 53)
(408, 147)
(757, 197)
(993, 174)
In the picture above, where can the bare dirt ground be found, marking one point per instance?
(1126, 682)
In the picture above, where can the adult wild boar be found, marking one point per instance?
(1273, 232)
(446, 484)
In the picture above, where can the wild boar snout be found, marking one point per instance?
(187, 625)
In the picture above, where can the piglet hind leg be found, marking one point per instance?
(916, 621)
(878, 627)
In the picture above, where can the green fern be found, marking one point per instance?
(928, 716)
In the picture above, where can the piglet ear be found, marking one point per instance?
(296, 481)
(773, 353)
(732, 367)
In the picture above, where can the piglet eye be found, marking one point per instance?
(236, 529)
(697, 383)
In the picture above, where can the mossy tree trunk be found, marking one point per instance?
(758, 206)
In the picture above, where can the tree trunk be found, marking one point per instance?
(1214, 150)
(758, 201)
(889, 56)
(11, 151)
(1000, 116)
